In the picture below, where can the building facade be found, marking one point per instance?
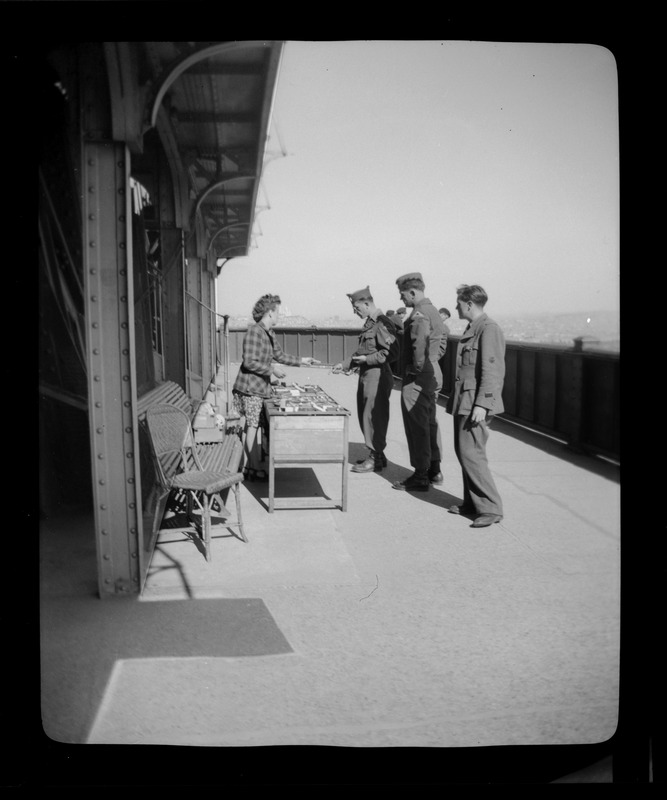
(149, 172)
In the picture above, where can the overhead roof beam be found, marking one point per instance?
(226, 69)
(181, 65)
(234, 176)
(226, 228)
(216, 117)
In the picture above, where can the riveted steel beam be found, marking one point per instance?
(111, 367)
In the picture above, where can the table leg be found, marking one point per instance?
(343, 505)
(272, 479)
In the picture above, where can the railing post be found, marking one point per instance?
(577, 404)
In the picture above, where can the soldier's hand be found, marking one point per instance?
(360, 359)
(477, 415)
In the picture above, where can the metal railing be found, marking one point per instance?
(570, 393)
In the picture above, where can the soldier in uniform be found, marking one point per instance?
(422, 379)
(476, 397)
(401, 314)
(372, 357)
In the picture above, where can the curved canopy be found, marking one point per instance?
(212, 101)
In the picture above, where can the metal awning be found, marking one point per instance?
(211, 103)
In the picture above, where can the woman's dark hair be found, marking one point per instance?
(267, 302)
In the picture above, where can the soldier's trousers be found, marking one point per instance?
(479, 488)
(436, 440)
(418, 409)
(373, 392)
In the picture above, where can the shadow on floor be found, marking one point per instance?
(393, 472)
(81, 637)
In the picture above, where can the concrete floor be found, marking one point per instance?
(392, 625)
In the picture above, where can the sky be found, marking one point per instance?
(492, 163)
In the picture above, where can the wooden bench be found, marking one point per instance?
(165, 392)
(221, 456)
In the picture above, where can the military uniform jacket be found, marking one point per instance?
(377, 335)
(422, 339)
(480, 368)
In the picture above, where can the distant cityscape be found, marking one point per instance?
(602, 326)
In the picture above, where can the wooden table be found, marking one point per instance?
(306, 426)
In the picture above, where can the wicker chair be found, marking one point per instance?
(179, 466)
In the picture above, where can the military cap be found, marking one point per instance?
(409, 276)
(361, 294)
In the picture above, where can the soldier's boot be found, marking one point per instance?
(367, 465)
(417, 482)
(380, 460)
(434, 474)
(378, 455)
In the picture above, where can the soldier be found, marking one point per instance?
(444, 316)
(476, 397)
(422, 379)
(372, 356)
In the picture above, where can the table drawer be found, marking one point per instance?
(308, 436)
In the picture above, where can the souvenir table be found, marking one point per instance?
(305, 427)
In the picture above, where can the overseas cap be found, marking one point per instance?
(409, 276)
(361, 294)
